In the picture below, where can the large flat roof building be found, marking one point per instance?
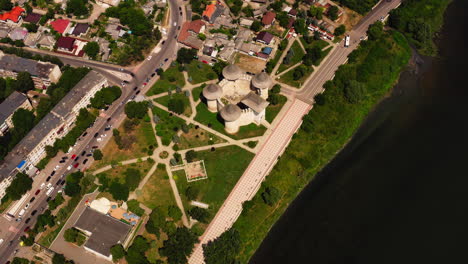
(15, 101)
(103, 231)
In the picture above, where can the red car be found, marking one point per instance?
(145, 83)
(26, 229)
(74, 156)
(76, 165)
(37, 192)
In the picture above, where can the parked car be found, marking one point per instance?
(48, 178)
(73, 156)
(62, 182)
(89, 155)
(27, 220)
(94, 147)
(69, 167)
(64, 157)
(37, 192)
(77, 158)
(26, 229)
(84, 134)
(137, 92)
(97, 134)
(108, 119)
(84, 161)
(53, 173)
(58, 182)
(48, 199)
(34, 212)
(83, 153)
(134, 88)
(32, 199)
(62, 161)
(76, 165)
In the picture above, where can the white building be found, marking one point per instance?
(239, 98)
(31, 149)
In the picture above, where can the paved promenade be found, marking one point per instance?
(252, 178)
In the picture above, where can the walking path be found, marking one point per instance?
(251, 180)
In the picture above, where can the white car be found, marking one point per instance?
(49, 185)
(42, 186)
(26, 206)
(99, 139)
(150, 57)
(104, 135)
(1, 241)
(69, 167)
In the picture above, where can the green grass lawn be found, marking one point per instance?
(288, 78)
(324, 54)
(196, 92)
(167, 126)
(197, 138)
(224, 167)
(321, 43)
(118, 172)
(212, 120)
(157, 190)
(272, 110)
(171, 79)
(144, 137)
(296, 58)
(165, 101)
(199, 72)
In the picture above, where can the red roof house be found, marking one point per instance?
(60, 25)
(13, 15)
(268, 18)
(66, 44)
(189, 32)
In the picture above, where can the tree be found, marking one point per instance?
(300, 26)
(105, 97)
(97, 155)
(283, 19)
(316, 12)
(248, 11)
(375, 31)
(19, 186)
(60, 259)
(58, 200)
(270, 195)
(312, 56)
(276, 89)
(136, 109)
(256, 26)
(192, 192)
(283, 44)
(355, 91)
(119, 191)
(176, 105)
(24, 82)
(70, 235)
(91, 49)
(199, 214)
(156, 221)
(191, 155)
(117, 252)
(299, 72)
(43, 220)
(174, 212)
(340, 30)
(333, 12)
(6, 5)
(132, 178)
(179, 246)
(185, 55)
(77, 7)
(136, 252)
(23, 121)
(223, 249)
(18, 260)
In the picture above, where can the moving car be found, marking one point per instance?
(37, 192)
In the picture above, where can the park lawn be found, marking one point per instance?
(199, 72)
(118, 171)
(224, 167)
(196, 92)
(324, 54)
(272, 110)
(144, 137)
(171, 79)
(320, 43)
(165, 101)
(167, 126)
(288, 78)
(214, 121)
(157, 190)
(296, 58)
(197, 137)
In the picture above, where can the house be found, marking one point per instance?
(4, 31)
(104, 48)
(80, 29)
(212, 12)
(18, 33)
(42, 73)
(242, 36)
(267, 50)
(115, 30)
(8, 107)
(13, 16)
(46, 41)
(66, 44)
(31, 149)
(260, 1)
(32, 18)
(108, 2)
(245, 22)
(31, 40)
(264, 37)
(290, 23)
(268, 18)
(60, 25)
(189, 34)
(292, 13)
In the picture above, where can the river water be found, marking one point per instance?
(398, 192)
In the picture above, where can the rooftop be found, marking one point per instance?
(230, 112)
(262, 81)
(265, 37)
(105, 230)
(66, 43)
(13, 15)
(268, 18)
(232, 72)
(18, 64)
(60, 25)
(212, 92)
(11, 104)
(80, 28)
(255, 102)
(32, 18)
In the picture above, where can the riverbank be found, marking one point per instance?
(370, 73)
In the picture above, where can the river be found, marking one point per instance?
(398, 192)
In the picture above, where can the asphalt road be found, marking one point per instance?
(142, 74)
(340, 54)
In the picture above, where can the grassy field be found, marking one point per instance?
(165, 101)
(196, 92)
(320, 43)
(296, 58)
(118, 171)
(272, 110)
(224, 168)
(157, 190)
(199, 72)
(197, 138)
(288, 78)
(167, 126)
(144, 137)
(215, 122)
(324, 132)
(171, 79)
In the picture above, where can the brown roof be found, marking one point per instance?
(265, 37)
(195, 25)
(255, 102)
(32, 18)
(185, 37)
(268, 18)
(65, 43)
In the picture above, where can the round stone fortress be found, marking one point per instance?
(239, 97)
